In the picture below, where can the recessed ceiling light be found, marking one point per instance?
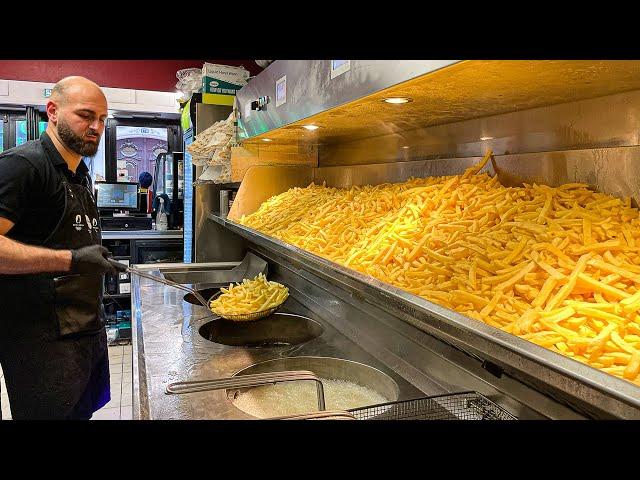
(311, 127)
(397, 100)
(486, 138)
(406, 146)
(267, 140)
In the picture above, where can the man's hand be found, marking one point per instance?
(91, 259)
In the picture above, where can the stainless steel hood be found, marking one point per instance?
(350, 106)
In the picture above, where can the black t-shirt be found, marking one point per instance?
(31, 193)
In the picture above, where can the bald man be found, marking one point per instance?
(53, 347)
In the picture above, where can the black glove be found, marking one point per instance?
(91, 259)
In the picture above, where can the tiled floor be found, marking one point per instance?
(120, 406)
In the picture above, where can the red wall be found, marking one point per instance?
(159, 75)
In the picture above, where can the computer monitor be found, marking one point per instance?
(117, 195)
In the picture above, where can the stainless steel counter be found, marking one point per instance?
(167, 348)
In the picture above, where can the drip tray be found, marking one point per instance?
(277, 330)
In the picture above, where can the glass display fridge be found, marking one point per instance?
(168, 183)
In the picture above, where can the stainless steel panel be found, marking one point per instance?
(350, 107)
(262, 182)
(355, 175)
(615, 171)
(610, 121)
(142, 234)
(207, 114)
(216, 243)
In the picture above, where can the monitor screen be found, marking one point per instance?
(117, 196)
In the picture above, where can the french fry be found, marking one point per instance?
(633, 367)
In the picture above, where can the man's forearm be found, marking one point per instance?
(16, 258)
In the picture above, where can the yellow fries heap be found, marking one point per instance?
(250, 296)
(559, 267)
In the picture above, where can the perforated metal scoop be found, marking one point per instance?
(245, 317)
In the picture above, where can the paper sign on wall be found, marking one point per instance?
(281, 91)
(338, 67)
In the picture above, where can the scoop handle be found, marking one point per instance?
(121, 267)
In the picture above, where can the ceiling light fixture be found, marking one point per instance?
(267, 140)
(311, 127)
(397, 100)
(486, 138)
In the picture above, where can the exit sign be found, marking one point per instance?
(47, 92)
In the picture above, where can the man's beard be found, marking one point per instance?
(74, 142)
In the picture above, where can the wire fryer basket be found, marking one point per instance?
(245, 317)
(457, 406)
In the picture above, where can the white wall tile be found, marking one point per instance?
(114, 402)
(126, 413)
(116, 350)
(107, 414)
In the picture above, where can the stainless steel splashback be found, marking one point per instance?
(609, 121)
(615, 171)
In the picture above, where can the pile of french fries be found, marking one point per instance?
(250, 296)
(559, 267)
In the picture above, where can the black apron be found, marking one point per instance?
(53, 345)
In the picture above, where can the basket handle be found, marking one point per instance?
(246, 381)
